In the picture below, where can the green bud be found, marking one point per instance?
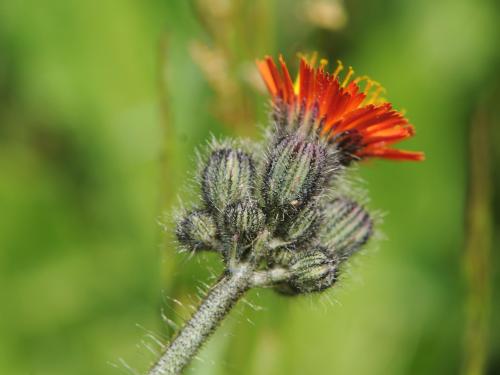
(311, 271)
(281, 256)
(294, 174)
(228, 176)
(244, 218)
(302, 228)
(347, 226)
(197, 231)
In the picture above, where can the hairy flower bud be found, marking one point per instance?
(244, 218)
(347, 226)
(197, 231)
(302, 228)
(228, 176)
(312, 271)
(294, 173)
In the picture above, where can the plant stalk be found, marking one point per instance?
(213, 309)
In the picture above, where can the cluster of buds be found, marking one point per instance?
(275, 215)
(278, 211)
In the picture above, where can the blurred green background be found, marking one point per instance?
(102, 106)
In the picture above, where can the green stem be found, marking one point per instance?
(477, 256)
(264, 279)
(213, 309)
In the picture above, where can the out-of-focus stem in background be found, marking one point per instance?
(168, 143)
(477, 254)
(226, 58)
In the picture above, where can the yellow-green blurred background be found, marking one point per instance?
(102, 106)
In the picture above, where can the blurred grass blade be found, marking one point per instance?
(478, 247)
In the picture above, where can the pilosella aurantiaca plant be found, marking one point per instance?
(275, 216)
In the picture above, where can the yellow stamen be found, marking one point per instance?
(340, 67)
(376, 89)
(323, 63)
(296, 85)
(313, 59)
(309, 59)
(361, 79)
(373, 98)
(368, 85)
(348, 76)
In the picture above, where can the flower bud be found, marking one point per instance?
(244, 218)
(302, 227)
(228, 177)
(294, 173)
(312, 271)
(347, 226)
(281, 256)
(197, 231)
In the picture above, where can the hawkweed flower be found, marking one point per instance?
(276, 217)
(348, 113)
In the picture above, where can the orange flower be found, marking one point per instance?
(341, 112)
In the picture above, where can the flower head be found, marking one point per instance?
(347, 113)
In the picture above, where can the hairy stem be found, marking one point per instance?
(270, 277)
(213, 309)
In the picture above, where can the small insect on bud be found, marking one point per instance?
(312, 271)
(294, 173)
(347, 227)
(302, 227)
(228, 176)
(244, 218)
(197, 231)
